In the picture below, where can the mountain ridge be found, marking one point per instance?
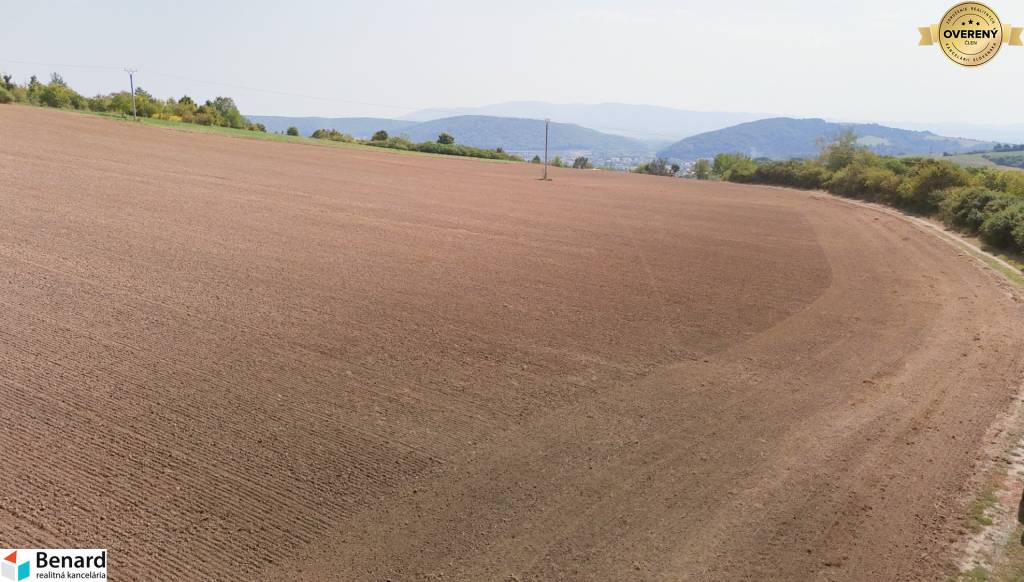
(509, 133)
(788, 137)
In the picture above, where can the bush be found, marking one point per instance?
(701, 169)
(536, 160)
(922, 189)
(445, 139)
(969, 207)
(1003, 229)
(55, 95)
(798, 173)
(292, 131)
(1009, 181)
(582, 163)
(5, 95)
(868, 182)
(332, 135)
(380, 136)
(657, 167)
(734, 167)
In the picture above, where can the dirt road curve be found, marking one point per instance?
(227, 359)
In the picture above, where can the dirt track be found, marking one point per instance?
(226, 359)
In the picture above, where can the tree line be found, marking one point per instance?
(986, 202)
(221, 111)
(445, 144)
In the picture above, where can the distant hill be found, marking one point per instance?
(511, 134)
(514, 134)
(361, 127)
(784, 137)
(650, 123)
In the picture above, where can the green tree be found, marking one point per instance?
(657, 167)
(582, 163)
(55, 95)
(536, 160)
(701, 169)
(5, 95)
(293, 130)
(735, 167)
(34, 90)
(840, 152)
(445, 139)
(557, 162)
(382, 135)
(228, 113)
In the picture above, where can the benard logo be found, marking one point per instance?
(11, 569)
(52, 564)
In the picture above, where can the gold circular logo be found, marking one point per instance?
(970, 34)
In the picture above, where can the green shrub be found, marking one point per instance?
(401, 143)
(332, 135)
(807, 174)
(55, 95)
(868, 182)
(701, 169)
(841, 152)
(1018, 235)
(580, 163)
(445, 139)
(292, 131)
(968, 207)
(5, 95)
(734, 167)
(380, 136)
(922, 188)
(1001, 228)
(657, 167)
(1009, 181)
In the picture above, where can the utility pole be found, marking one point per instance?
(547, 122)
(131, 83)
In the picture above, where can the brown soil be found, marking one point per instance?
(229, 359)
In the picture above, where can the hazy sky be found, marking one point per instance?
(851, 61)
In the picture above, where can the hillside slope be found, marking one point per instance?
(650, 123)
(361, 127)
(785, 137)
(511, 134)
(515, 134)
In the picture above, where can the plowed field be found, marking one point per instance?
(227, 359)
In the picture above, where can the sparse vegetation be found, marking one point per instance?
(701, 169)
(657, 167)
(982, 201)
(450, 149)
(333, 135)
